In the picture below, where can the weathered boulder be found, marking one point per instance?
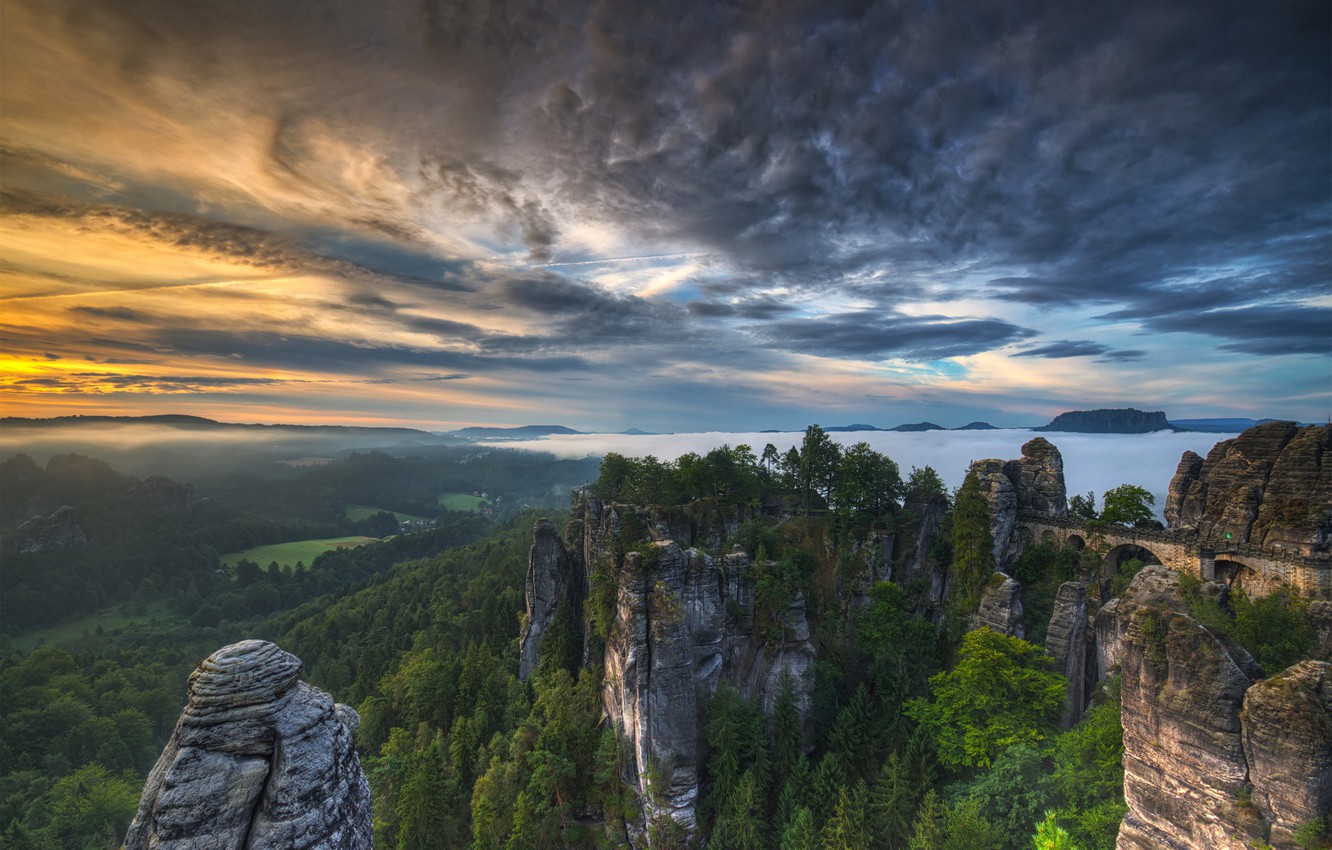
(259, 760)
(1067, 641)
(57, 531)
(1001, 606)
(1184, 762)
(1287, 726)
(1270, 486)
(554, 578)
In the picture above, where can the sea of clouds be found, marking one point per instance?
(1092, 462)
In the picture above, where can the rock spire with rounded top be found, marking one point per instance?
(259, 760)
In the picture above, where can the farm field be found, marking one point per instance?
(355, 513)
(287, 554)
(461, 501)
(155, 616)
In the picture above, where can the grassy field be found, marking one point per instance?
(287, 554)
(157, 616)
(461, 501)
(355, 513)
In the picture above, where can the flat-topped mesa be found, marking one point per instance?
(259, 760)
(1271, 486)
(1031, 484)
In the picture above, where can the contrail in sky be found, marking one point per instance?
(624, 259)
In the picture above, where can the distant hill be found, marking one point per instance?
(919, 426)
(199, 423)
(977, 426)
(1126, 420)
(845, 428)
(522, 432)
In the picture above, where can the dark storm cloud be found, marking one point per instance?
(1274, 329)
(1066, 348)
(878, 336)
(1161, 161)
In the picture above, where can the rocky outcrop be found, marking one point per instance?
(928, 511)
(1184, 764)
(1126, 420)
(1270, 486)
(171, 496)
(259, 760)
(1214, 756)
(1001, 606)
(1154, 586)
(1068, 642)
(1287, 734)
(554, 578)
(684, 624)
(1033, 484)
(57, 531)
(1038, 479)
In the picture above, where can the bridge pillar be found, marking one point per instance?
(1206, 566)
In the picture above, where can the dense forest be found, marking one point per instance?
(922, 733)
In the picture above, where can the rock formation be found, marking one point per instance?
(1287, 727)
(57, 531)
(1125, 420)
(1001, 606)
(1184, 763)
(1034, 483)
(683, 622)
(259, 760)
(1215, 758)
(1270, 486)
(553, 578)
(928, 512)
(1068, 642)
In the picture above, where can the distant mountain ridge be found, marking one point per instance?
(199, 423)
(521, 432)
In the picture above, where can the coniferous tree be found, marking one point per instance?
(892, 805)
(801, 833)
(928, 832)
(848, 828)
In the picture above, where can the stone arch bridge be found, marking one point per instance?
(1257, 569)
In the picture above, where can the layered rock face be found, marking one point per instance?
(554, 578)
(1000, 607)
(1183, 754)
(1270, 486)
(259, 760)
(1215, 758)
(1033, 483)
(57, 531)
(1287, 733)
(1068, 640)
(684, 622)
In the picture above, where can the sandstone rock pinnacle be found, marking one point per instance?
(259, 760)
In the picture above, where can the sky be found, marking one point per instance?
(669, 216)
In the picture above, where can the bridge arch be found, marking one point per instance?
(1075, 541)
(1242, 576)
(1123, 552)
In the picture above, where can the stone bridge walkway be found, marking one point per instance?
(1258, 569)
